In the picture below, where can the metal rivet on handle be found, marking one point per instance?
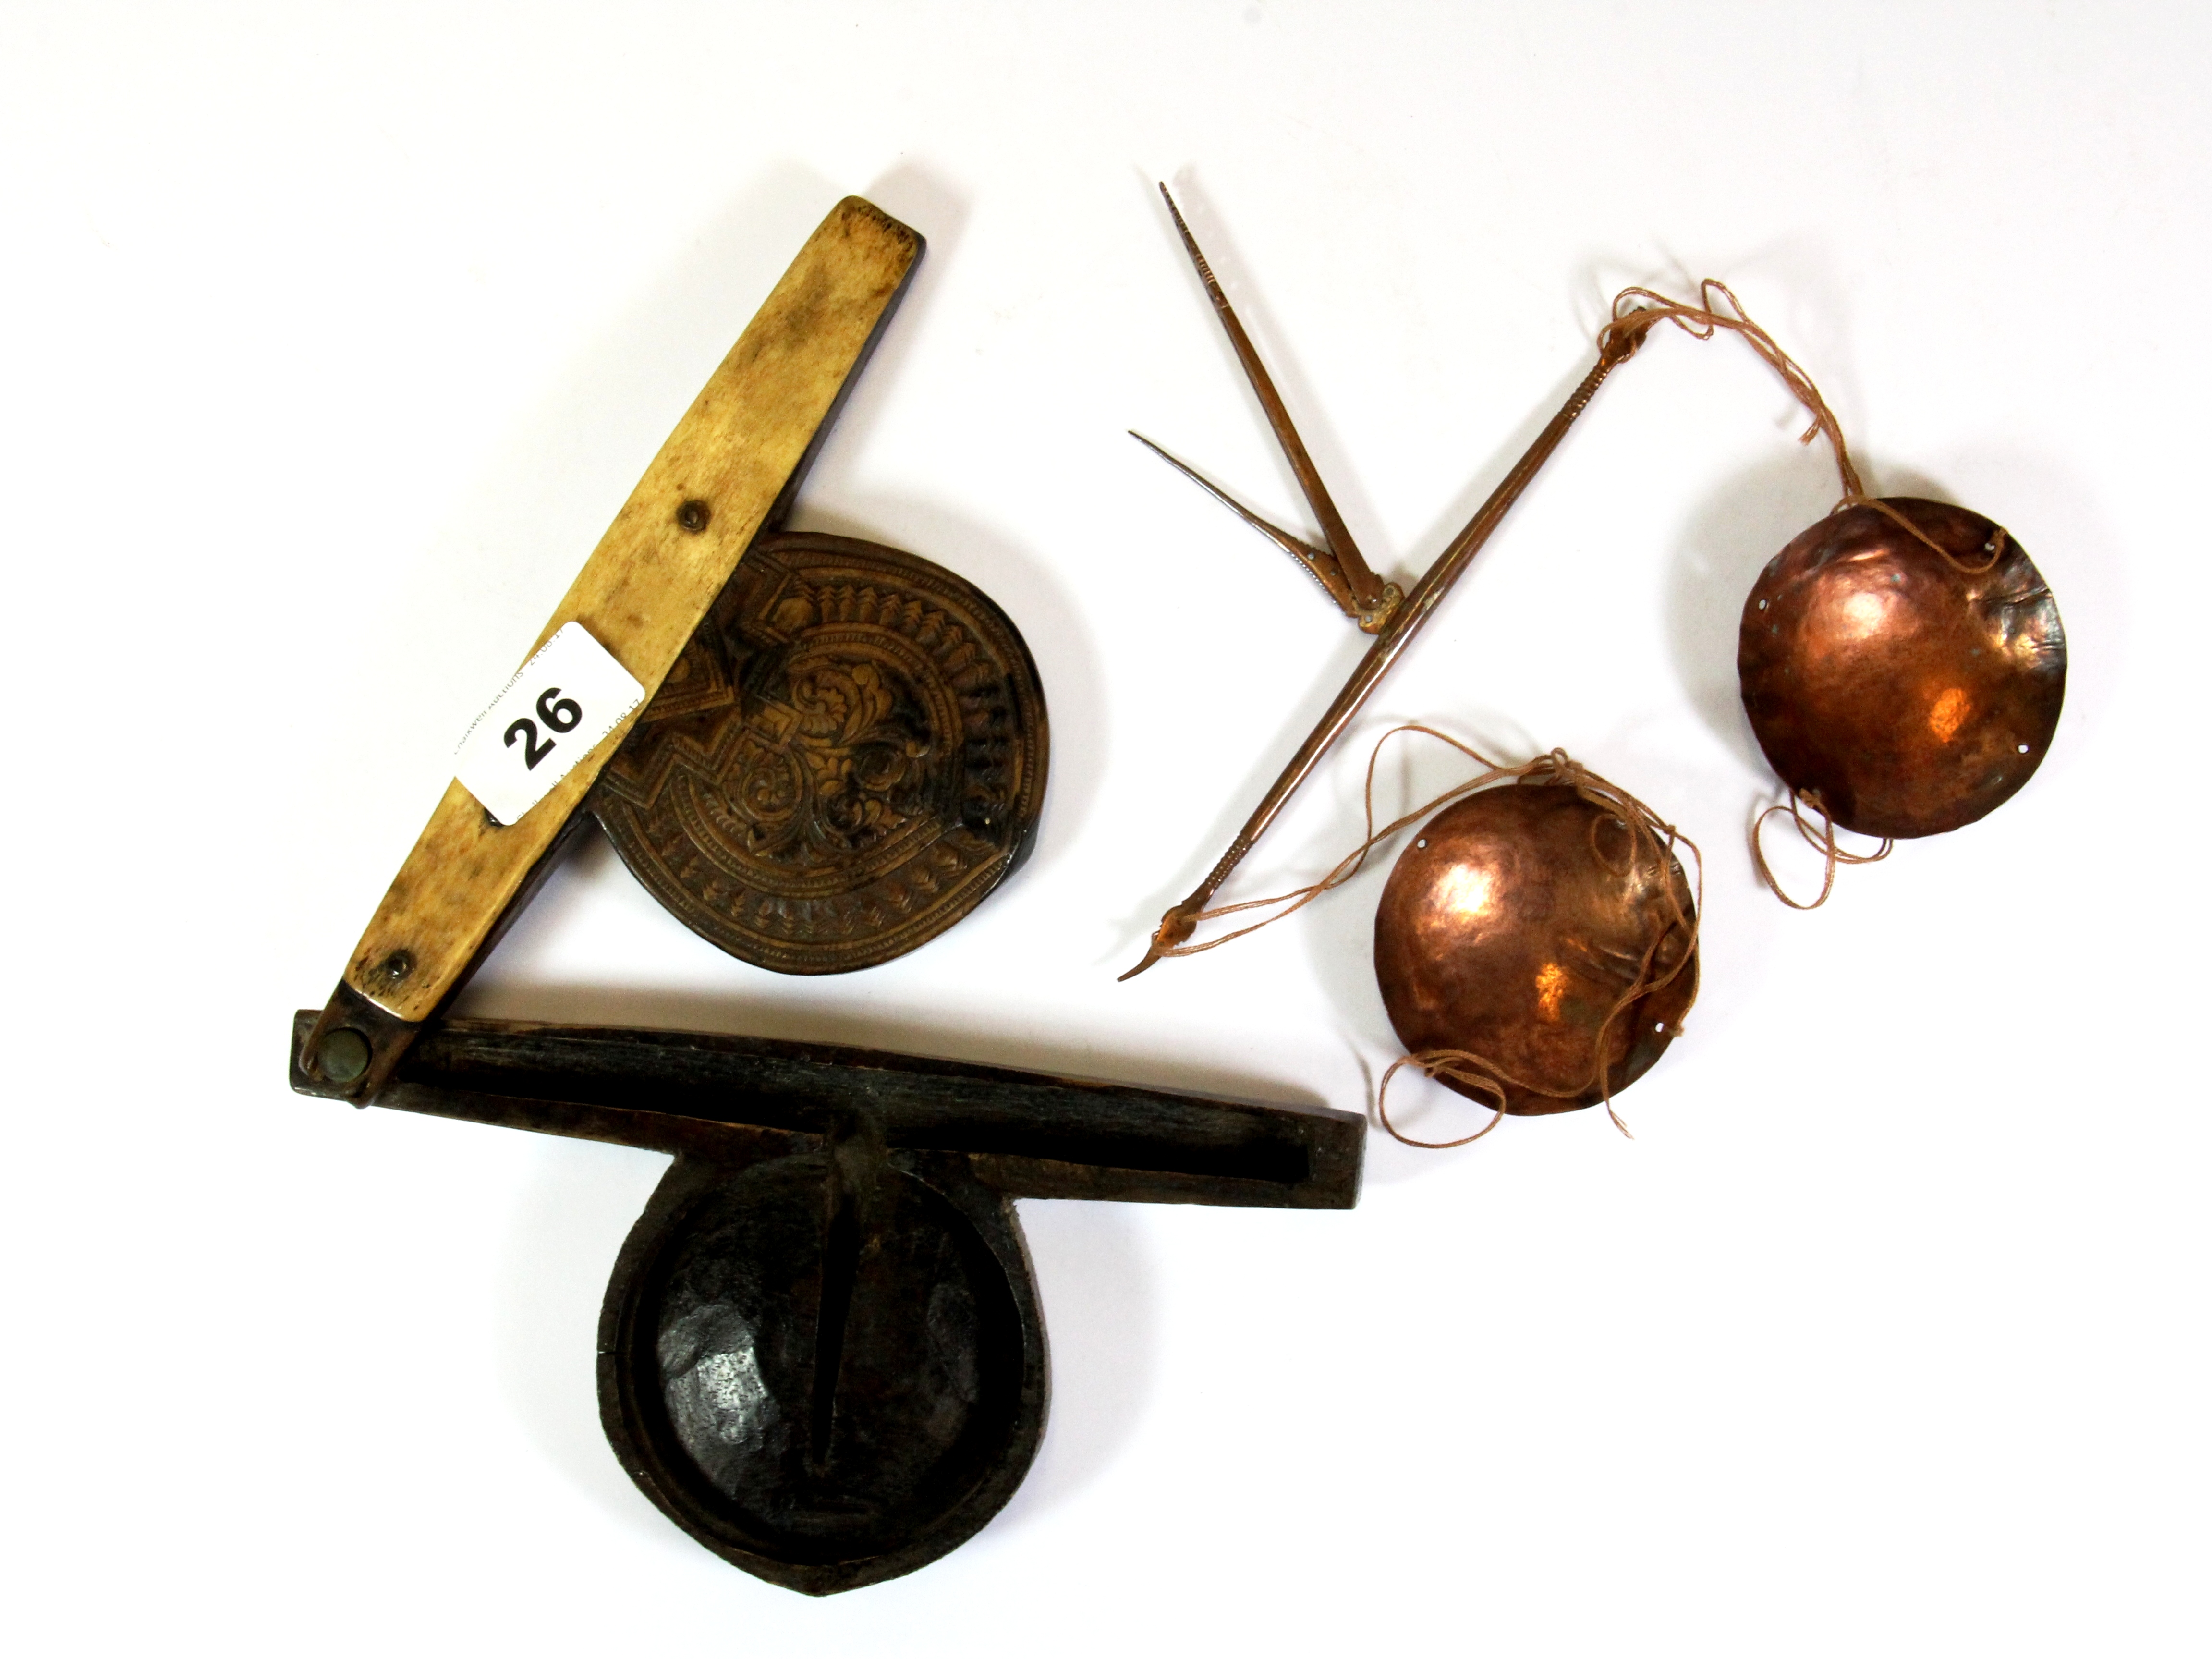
(342, 1055)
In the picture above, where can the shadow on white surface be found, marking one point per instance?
(1263, 760)
(1096, 1285)
(1247, 293)
(579, 1204)
(1727, 539)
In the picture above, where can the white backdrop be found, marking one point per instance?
(334, 337)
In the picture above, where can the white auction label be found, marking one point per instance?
(552, 714)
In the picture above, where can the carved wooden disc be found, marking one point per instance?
(849, 754)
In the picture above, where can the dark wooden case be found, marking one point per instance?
(821, 1351)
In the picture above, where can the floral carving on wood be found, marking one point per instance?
(850, 754)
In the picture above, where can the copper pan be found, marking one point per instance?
(1517, 929)
(1902, 688)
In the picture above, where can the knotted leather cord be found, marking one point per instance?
(1702, 321)
(1824, 843)
(1646, 831)
(1994, 547)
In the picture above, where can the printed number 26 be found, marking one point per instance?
(562, 716)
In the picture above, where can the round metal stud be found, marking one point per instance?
(342, 1055)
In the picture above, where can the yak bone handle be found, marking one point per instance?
(724, 470)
